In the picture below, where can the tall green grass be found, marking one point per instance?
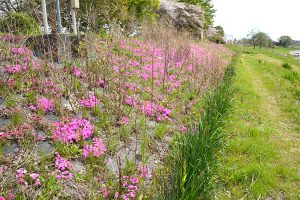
(192, 164)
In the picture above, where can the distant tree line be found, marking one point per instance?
(260, 39)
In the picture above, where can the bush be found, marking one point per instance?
(19, 23)
(286, 66)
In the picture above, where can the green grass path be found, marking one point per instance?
(262, 157)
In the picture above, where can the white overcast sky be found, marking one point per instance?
(274, 17)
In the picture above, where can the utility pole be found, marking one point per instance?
(73, 12)
(74, 6)
(58, 16)
(45, 19)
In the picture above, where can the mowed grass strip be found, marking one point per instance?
(262, 158)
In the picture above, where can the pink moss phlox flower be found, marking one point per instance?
(17, 68)
(11, 82)
(76, 71)
(7, 134)
(89, 102)
(149, 108)
(51, 87)
(2, 198)
(105, 192)
(45, 104)
(134, 180)
(63, 166)
(153, 110)
(131, 86)
(171, 78)
(97, 149)
(11, 196)
(129, 100)
(132, 194)
(116, 195)
(21, 51)
(134, 63)
(101, 83)
(72, 130)
(125, 120)
(144, 171)
(35, 176)
(124, 197)
(183, 129)
(61, 163)
(20, 176)
(33, 107)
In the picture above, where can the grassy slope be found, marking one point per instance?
(262, 158)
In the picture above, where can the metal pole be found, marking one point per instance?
(58, 16)
(44, 13)
(73, 11)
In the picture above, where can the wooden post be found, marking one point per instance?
(45, 19)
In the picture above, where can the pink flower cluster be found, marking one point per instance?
(51, 88)
(125, 120)
(90, 102)
(20, 177)
(21, 51)
(10, 38)
(63, 168)
(101, 83)
(6, 134)
(130, 101)
(97, 149)
(35, 177)
(153, 110)
(76, 72)
(144, 171)
(10, 196)
(15, 69)
(130, 185)
(72, 130)
(23, 59)
(45, 104)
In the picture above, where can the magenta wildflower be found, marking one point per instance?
(125, 120)
(134, 180)
(116, 195)
(101, 83)
(91, 102)
(35, 177)
(20, 176)
(33, 107)
(144, 171)
(72, 130)
(97, 149)
(153, 110)
(183, 129)
(63, 166)
(130, 101)
(45, 104)
(76, 71)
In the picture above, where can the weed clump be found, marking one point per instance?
(286, 66)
